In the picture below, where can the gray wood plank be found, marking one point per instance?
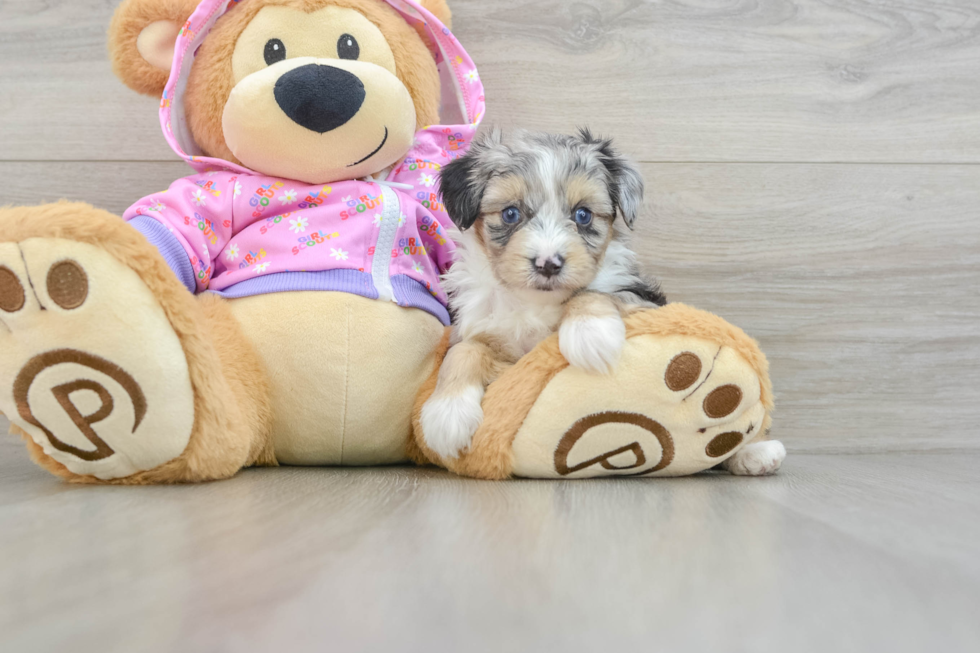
(860, 282)
(113, 186)
(842, 553)
(781, 80)
(60, 99)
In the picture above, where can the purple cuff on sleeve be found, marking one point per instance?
(170, 248)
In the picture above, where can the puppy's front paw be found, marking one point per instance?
(592, 343)
(449, 421)
(757, 459)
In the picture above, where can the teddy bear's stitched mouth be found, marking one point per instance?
(378, 149)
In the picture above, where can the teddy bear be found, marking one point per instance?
(282, 305)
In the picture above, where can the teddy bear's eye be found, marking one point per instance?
(347, 47)
(275, 51)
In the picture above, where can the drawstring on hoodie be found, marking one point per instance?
(384, 182)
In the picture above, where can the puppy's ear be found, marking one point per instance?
(141, 41)
(625, 181)
(462, 192)
(464, 181)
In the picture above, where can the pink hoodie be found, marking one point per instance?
(238, 233)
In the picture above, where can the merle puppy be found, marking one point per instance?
(542, 246)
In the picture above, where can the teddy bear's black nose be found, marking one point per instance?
(320, 98)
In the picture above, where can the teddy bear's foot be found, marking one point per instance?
(689, 393)
(90, 367)
(675, 405)
(109, 369)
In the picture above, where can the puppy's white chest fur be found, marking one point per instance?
(519, 319)
(514, 320)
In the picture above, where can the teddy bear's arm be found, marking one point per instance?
(190, 224)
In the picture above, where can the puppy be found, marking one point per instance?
(541, 247)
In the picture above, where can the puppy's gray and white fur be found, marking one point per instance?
(542, 246)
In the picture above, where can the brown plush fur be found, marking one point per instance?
(439, 9)
(509, 400)
(232, 411)
(131, 17)
(211, 80)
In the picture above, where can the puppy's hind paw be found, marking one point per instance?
(592, 343)
(757, 459)
(449, 421)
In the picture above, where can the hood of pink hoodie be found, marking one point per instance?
(463, 101)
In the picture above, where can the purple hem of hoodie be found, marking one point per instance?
(169, 247)
(408, 292)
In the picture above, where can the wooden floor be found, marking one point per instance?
(813, 172)
(838, 553)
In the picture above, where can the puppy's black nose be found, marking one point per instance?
(549, 267)
(320, 98)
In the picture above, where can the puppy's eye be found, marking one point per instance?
(511, 215)
(583, 217)
(275, 52)
(347, 47)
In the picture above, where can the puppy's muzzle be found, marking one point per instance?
(320, 98)
(549, 267)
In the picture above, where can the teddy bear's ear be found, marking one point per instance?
(440, 10)
(141, 41)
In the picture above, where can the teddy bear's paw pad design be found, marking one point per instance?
(591, 444)
(90, 367)
(676, 405)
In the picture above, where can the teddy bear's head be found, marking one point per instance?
(313, 90)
